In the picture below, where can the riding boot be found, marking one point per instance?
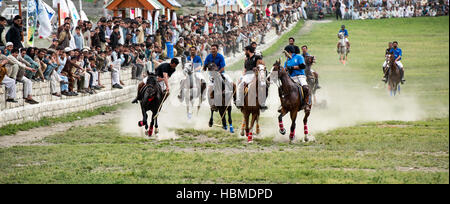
(402, 74)
(306, 102)
(140, 94)
(386, 73)
(316, 76)
(348, 47)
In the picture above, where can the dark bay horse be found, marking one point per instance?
(252, 107)
(291, 97)
(394, 75)
(221, 97)
(153, 97)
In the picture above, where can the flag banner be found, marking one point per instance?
(150, 20)
(226, 2)
(210, 3)
(156, 22)
(63, 10)
(55, 3)
(83, 16)
(73, 12)
(31, 22)
(245, 4)
(44, 15)
(170, 52)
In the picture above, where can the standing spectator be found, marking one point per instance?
(79, 41)
(15, 33)
(337, 7)
(3, 23)
(64, 36)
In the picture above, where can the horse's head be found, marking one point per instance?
(152, 83)
(310, 60)
(341, 35)
(277, 65)
(212, 67)
(189, 68)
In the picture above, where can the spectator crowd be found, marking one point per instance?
(81, 50)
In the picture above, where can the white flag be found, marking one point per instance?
(44, 15)
(55, 3)
(150, 20)
(64, 11)
(73, 12)
(83, 16)
(156, 21)
(174, 19)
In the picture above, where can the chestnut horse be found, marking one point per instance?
(291, 97)
(253, 108)
(394, 75)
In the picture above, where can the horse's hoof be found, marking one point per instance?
(225, 127)
(189, 116)
(250, 139)
(210, 124)
(231, 129)
(156, 131)
(141, 123)
(242, 132)
(306, 138)
(150, 132)
(283, 131)
(292, 136)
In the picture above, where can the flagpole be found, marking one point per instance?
(59, 15)
(20, 8)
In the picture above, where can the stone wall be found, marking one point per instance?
(52, 106)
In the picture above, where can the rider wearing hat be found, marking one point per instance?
(295, 66)
(343, 30)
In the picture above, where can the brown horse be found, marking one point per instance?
(225, 106)
(291, 97)
(254, 109)
(394, 75)
(312, 77)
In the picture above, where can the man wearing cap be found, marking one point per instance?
(296, 66)
(8, 48)
(10, 84)
(15, 33)
(343, 30)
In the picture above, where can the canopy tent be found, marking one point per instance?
(174, 3)
(145, 5)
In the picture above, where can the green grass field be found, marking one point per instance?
(369, 152)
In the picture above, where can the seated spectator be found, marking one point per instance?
(10, 84)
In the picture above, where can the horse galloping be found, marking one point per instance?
(291, 97)
(342, 50)
(151, 101)
(252, 95)
(394, 75)
(192, 87)
(220, 97)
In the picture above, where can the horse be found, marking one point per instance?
(252, 90)
(342, 50)
(312, 77)
(152, 100)
(291, 97)
(192, 87)
(221, 90)
(394, 75)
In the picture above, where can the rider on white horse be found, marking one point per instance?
(250, 66)
(196, 62)
(345, 32)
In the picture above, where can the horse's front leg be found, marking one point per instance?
(144, 120)
(258, 129)
(305, 123)
(248, 134)
(150, 131)
(280, 121)
(224, 120)
(156, 126)
(230, 121)
(293, 125)
(211, 121)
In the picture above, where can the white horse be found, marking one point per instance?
(192, 87)
(342, 50)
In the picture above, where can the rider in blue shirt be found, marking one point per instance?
(196, 65)
(345, 31)
(296, 69)
(398, 57)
